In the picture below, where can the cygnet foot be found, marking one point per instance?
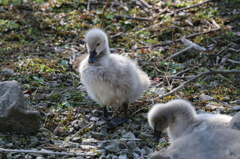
(105, 114)
(106, 118)
(116, 122)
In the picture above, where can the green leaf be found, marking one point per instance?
(64, 62)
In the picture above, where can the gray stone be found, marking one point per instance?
(135, 155)
(15, 113)
(101, 122)
(9, 145)
(89, 141)
(88, 147)
(226, 98)
(75, 125)
(103, 156)
(200, 111)
(102, 144)
(2, 142)
(148, 150)
(33, 139)
(179, 65)
(57, 142)
(96, 112)
(131, 144)
(143, 152)
(207, 144)
(197, 85)
(110, 156)
(97, 135)
(159, 91)
(113, 147)
(72, 145)
(237, 107)
(213, 84)
(122, 156)
(145, 134)
(136, 126)
(78, 124)
(235, 102)
(61, 131)
(102, 152)
(235, 122)
(137, 150)
(94, 118)
(7, 71)
(76, 139)
(45, 132)
(211, 106)
(129, 135)
(181, 14)
(162, 140)
(103, 131)
(204, 97)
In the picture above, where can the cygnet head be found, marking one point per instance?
(158, 119)
(97, 42)
(161, 116)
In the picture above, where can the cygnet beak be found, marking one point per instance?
(92, 56)
(156, 135)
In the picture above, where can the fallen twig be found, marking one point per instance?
(224, 49)
(175, 77)
(104, 8)
(198, 76)
(109, 4)
(190, 46)
(144, 6)
(195, 5)
(180, 52)
(182, 72)
(215, 24)
(90, 125)
(223, 61)
(190, 43)
(88, 5)
(233, 62)
(190, 36)
(47, 152)
(134, 18)
(234, 50)
(164, 10)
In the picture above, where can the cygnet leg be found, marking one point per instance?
(105, 114)
(117, 121)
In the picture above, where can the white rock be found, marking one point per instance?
(204, 97)
(129, 135)
(122, 156)
(113, 147)
(237, 107)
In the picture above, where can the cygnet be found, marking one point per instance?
(179, 118)
(110, 79)
(206, 144)
(235, 122)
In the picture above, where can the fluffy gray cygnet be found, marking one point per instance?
(179, 118)
(110, 79)
(206, 144)
(235, 122)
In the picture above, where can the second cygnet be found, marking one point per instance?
(180, 117)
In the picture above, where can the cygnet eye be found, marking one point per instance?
(98, 44)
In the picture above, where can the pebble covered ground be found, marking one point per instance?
(41, 38)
